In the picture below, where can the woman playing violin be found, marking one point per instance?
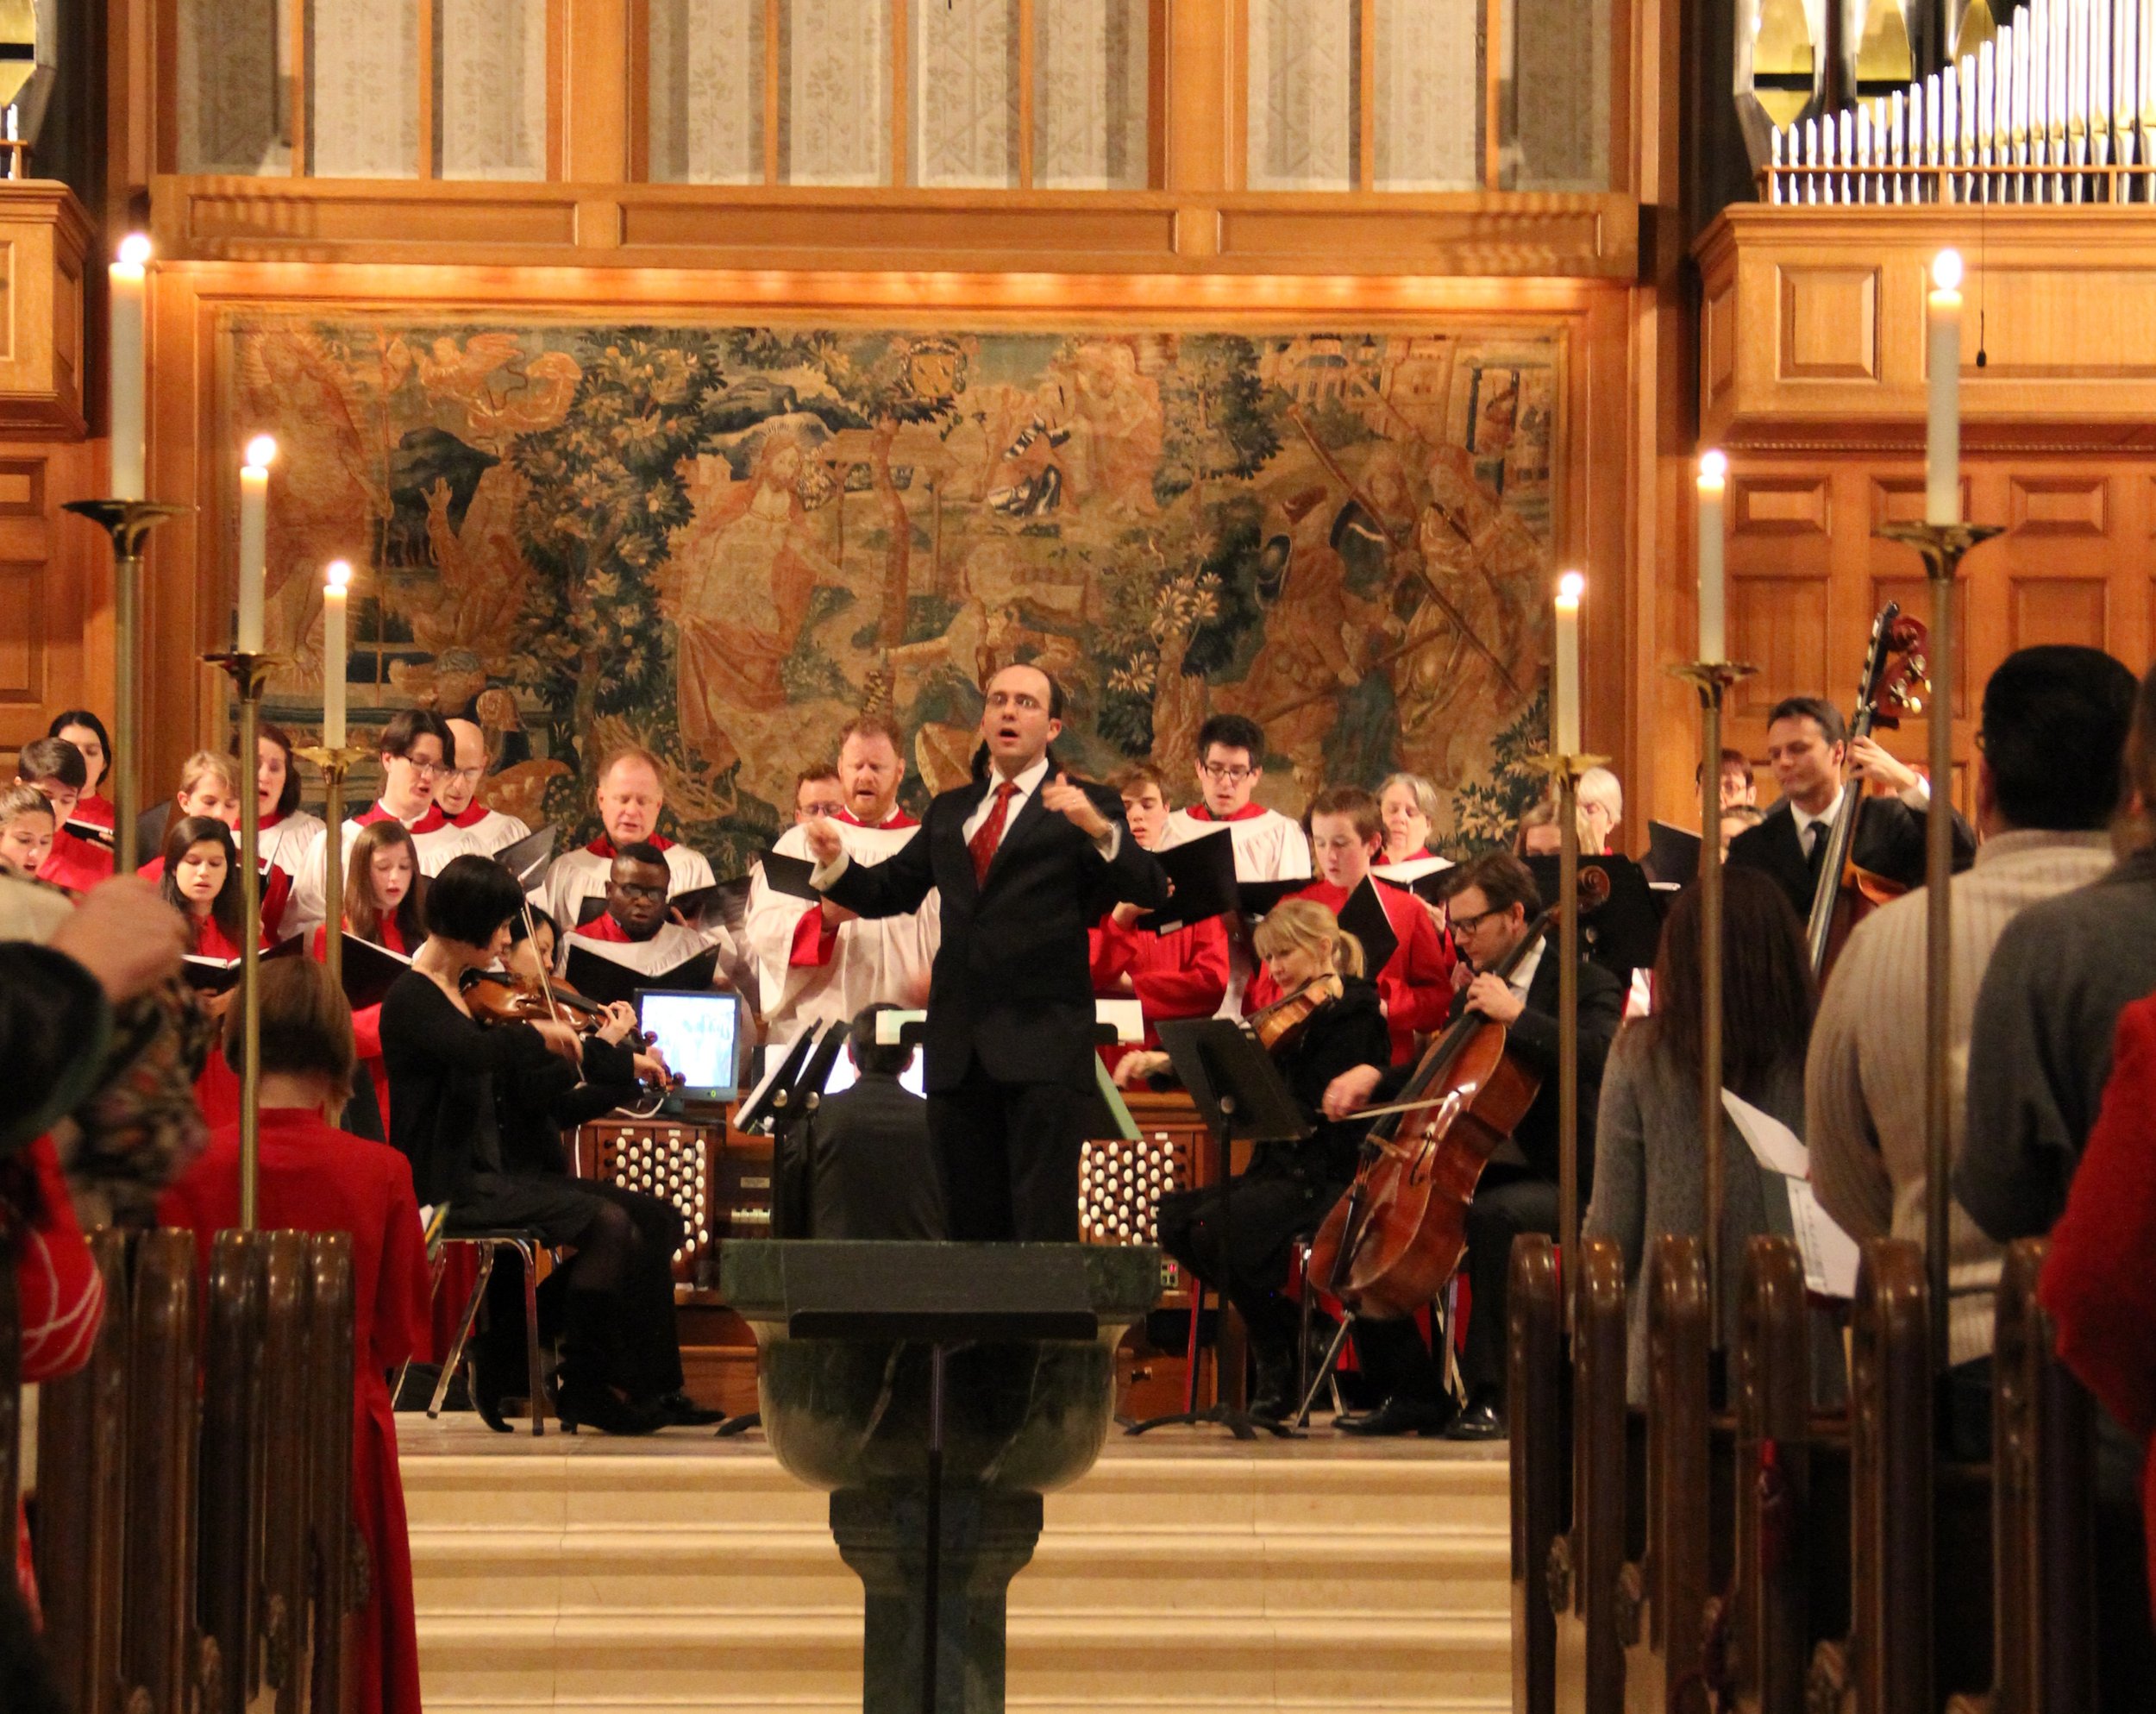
(1289, 1186)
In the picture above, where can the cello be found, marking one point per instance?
(1894, 684)
(1390, 1244)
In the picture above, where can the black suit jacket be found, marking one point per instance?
(870, 1170)
(1011, 985)
(1889, 843)
(1533, 1037)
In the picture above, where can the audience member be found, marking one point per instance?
(869, 1170)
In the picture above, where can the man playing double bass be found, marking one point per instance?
(1491, 906)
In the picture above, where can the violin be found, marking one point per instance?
(1390, 1244)
(507, 997)
(1897, 679)
(1281, 1022)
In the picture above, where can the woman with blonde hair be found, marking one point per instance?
(1289, 1187)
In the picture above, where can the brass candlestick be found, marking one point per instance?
(128, 523)
(335, 765)
(249, 671)
(1565, 770)
(1713, 680)
(1943, 547)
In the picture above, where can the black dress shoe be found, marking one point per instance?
(487, 1393)
(1398, 1416)
(1481, 1421)
(577, 1402)
(679, 1411)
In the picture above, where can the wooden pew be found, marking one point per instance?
(1536, 1394)
(1584, 1562)
(2043, 1512)
(330, 1541)
(230, 1561)
(288, 1376)
(82, 1434)
(158, 1622)
(1662, 1599)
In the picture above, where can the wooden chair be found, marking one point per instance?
(82, 1434)
(2043, 1449)
(1662, 1599)
(527, 1244)
(158, 1652)
(1584, 1562)
(1536, 1388)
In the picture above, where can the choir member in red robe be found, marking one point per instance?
(56, 768)
(27, 827)
(381, 905)
(82, 728)
(1182, 975)
(313, 1177)
(200, 876)
(1346, 832)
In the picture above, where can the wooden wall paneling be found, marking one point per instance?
(183, 577)
(1780, 562)
(1828, 326)
(595, 103)
(48, 567)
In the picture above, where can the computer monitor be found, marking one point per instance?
(700, 1034)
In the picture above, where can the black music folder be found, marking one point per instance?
(790, 876)
(1201, 883)
(1672, 854)
(1623, 932)
(529, 858)
(1364, 916)
(220, 976)
(1256, 899)
(597, 976)
(368, 971)
(724, 903)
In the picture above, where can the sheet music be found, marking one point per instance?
(1830, 1253)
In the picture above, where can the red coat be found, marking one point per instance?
(59, 1292)
(217, 1090)
(316, 1179)
(366, 1020)
(1183, 975)
(1416, 983)
(2099, 1279)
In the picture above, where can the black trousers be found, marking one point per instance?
(1008, 1157)
(631, 1330)
(1510, 1201)
(1244, 1255)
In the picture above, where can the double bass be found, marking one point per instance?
(1894, 684)
(1390, 1244)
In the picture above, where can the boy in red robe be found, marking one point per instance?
(316, 1178)
(1183, 975)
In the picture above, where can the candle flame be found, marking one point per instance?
(1946, 270)
(340, 574)
(134, 249)
(1570, 587)
(260, 450)
(1714, 467)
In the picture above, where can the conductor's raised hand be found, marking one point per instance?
(1071, 803)
(824, 842)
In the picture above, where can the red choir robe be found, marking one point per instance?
(217, 1090)
(277, 894)
(366, 1020)
(75, 864)
(93, 810)
(1183, 975)
(316, 1178)
(1416, 983)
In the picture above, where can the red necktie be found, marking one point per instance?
(989, 834)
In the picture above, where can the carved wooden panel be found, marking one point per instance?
(1718, 345)
(21, 487)
(1782, 505)
(2045, 322)
(1829, 323)
(22, 632)
(1900, 499)
(2060, 610)
(1779, 624)
(2060, 505)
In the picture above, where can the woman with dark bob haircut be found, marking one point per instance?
(442, 1069)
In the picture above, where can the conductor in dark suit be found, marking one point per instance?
(1491, 906)
(1025, 861)
(1812, 754)
(871, 1172)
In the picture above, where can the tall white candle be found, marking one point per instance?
(253, 542)
(1942, 423)
(1564, 702)
(1714, 473)
(128, 277)
(332, 652)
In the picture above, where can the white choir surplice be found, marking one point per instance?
(669, 950)
(582, 873)
(1267, 847)
(489, 830)
(865, 961)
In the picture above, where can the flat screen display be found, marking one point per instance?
(701, 1036)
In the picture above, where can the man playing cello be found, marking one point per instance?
(1491, 907)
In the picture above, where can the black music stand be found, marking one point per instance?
(1239, 1093)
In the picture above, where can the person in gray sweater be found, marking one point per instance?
(1650, 1159)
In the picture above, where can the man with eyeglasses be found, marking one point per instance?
(818, 964)
(1269, 846)
(633, 930)
(488, 830)
(631, 798)
(414, 749)
(1492, 903)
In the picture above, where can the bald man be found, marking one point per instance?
(1025, 860)
(488, 830)
(630, 799)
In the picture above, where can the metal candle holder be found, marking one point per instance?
(1713, 679)
(1565, 771)
(249, 671)
(1943, 547)
(335, 765)
(128, 523)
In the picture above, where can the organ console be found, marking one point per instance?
(2059, 106)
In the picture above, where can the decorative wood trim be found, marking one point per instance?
(901, 92)
(774, 70)
(1493, 95)
(1156, 97)
(1027, 73)
(429, 96)
(1366, 94)
(296, 122)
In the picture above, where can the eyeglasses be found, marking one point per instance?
(830, 812)
(1468, 925)
(426, 770)
(1227, 776)
(631, 889)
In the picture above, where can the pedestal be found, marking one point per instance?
(851, 1338)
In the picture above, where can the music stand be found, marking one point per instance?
(1239, 1093)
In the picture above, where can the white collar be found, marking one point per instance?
(1025, 784)
(1804, 818)
(1524, 975)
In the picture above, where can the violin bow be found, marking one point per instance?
(545, 985)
